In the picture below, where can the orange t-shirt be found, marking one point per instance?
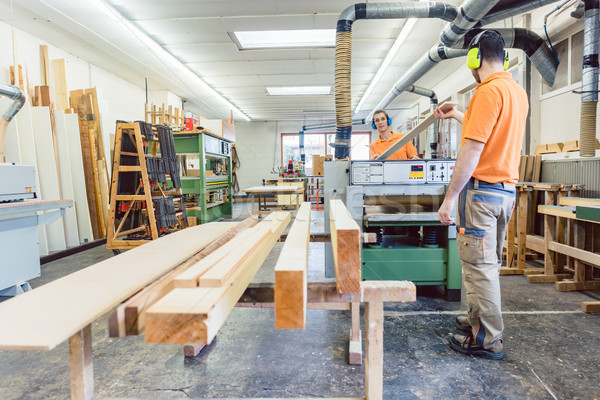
(496, 116)
(406, 152)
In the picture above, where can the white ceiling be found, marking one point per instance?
(198, 34)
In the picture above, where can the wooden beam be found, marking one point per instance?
(81, 364)
(374, 350)
(355, 347)
(346, 244)
(543, 278)
(578, 201)
(569, 286)
(424, 124)
(290, 274)
(557, 211)
(535, 243)
(195, 315)
(61, 93)
(590, 306)
(225, 268)
(129, 318)
(53, 317)
(45, 63)
(583, 255)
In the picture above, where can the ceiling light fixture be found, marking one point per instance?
(298, 90)
(182, 71)
(247, 40)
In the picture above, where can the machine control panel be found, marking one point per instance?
(401, 172)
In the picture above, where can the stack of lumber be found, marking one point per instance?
(194, 313)
(48, 139)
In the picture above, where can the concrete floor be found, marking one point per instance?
(552, 350)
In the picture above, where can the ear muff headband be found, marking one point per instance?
(375, 127)
(474, 54)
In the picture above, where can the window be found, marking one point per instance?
(318, 144)
(570, 54)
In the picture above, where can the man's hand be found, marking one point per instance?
(375, 156)
(448, 110)
(445, 211)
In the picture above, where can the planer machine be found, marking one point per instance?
(395, 202)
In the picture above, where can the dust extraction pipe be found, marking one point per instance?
(433, 102)
(13, 93)
(502, 11)
(343, 50)
(589, 80)
(471, 11)
(531, 43)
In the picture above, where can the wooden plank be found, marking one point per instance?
(535, 243)
(545, 278)
(81, 364)
(66, 181)
(374, 350)
(557, 211)
(225, 268)
(549, 148)
(355, 347)
(345, 240)
(583, 255)
(40, 118)
(28, 157)
(388, 291)
(45, 64)
(84, 224)
(53, 316)
(530, 160)
(61, 93)
(569, 286)
(291, 272)
(578, 201)
(522, 166)
(537, 169)
(590, 306)
(129, 318)
(510, 271)
(414, 132)
(522, 229)
(195, 315)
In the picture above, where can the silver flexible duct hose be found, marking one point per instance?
(343, 50)
(13, 93)
(431, 131)
(500, 13)
(531, 43)
(470, 12)
(589, 79)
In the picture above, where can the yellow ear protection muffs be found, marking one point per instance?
(474, 54)
(375, 127)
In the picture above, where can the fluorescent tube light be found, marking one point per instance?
(298, 90)
(172, 62)
(286, 38)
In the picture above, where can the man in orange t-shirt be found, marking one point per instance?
(484, 182)
(387, 138)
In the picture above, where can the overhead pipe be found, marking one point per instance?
(470, 12)
(503, 11)
(433, 102)
(531, 43)
(589, 79)
(13, 93)
(343, 50)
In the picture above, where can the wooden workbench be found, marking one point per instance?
(518, 226)
(259, 193)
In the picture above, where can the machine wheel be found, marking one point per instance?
(452, 294)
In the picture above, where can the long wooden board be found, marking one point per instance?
(66, 179)
(28, 157)
(44, 150)
(225, 268)
(290, 274)
(424, 124)
(346, 244)
(578, 201)
(47, 316)
(195, 315)
(84, 223)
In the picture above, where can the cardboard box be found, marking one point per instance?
(191, 121)
(318, 161)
